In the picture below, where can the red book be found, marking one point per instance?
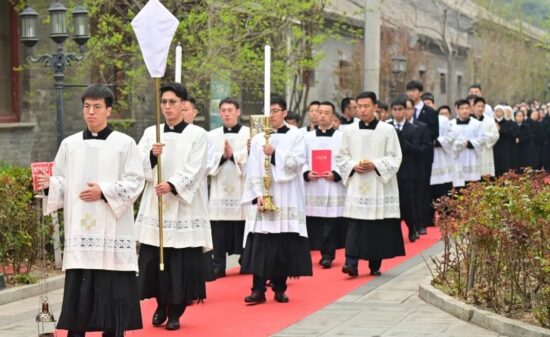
(37, 169)
(321, 161)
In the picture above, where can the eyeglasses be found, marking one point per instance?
(170, 102)
(274, 111)
(96, 107)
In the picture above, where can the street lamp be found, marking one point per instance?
(398, 67)
(58, 60)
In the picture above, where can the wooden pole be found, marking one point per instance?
(159, 180)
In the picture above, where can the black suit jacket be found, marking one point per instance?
(427, 157)
(429, 116)
(411, 150)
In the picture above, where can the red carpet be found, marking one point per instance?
(224, 312)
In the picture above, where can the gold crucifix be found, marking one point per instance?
(87, 222)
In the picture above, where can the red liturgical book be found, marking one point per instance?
(321, 161)
(37, 169)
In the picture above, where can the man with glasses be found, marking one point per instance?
(97, 177)
(276, 241)
(368, 160)
(185, 213)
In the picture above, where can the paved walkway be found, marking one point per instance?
(386, 306)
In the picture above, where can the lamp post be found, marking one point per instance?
(58, 60)
(398, 67)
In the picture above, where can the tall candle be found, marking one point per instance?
(178, 64)
(267, 80)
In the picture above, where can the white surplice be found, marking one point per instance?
(324, 198)
(287, 186)
(466, 161)
(185, 215)
(442, 166)
(227, 180)
(99, 234)
(372, 195)
(491, 134)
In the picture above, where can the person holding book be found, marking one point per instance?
(325, 193)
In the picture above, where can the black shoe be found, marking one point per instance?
(413, 235)
(350, 270)
(160, 315)
(281, 297)
(375, 272)
(173, 324)
(218, 273)
(422, 231)
(325, 263)
(255, 298)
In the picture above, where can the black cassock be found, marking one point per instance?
(502, 151)
(546, 146)
(523, 152)
(538, 139)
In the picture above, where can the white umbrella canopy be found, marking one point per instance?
(155, 27)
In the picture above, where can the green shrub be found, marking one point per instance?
(497, 248)
(19, 222)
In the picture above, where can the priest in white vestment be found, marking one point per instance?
(97, 176)
(312, 117)
(227, 171)
(325, 193)
(468, 140)
(348, 108)
(369, 158)
(441, 180)
(186, 226)
(276, 244)
(490, 130)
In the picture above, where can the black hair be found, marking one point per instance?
(292, 116)
(479, 99)
(99, 91)
(176, 88)
(415, 85)
(428, 96)
(399, 101)
(367, 94)
(461, 102)
(228, 100)
(346, 101)
(313, 103)
(191, 100)
(329, 104)
(279, 101)
(471, 97)
(475, 86)
(382, 105)
(443, 107)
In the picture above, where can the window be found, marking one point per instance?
(442, 83)
(9, 58)
(459, 86)
(422, 75)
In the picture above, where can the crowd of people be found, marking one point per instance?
(347, 179)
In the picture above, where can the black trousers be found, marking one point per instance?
(406, 203)
(277, 284)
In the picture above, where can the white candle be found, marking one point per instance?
(178, 64)
(267, 80)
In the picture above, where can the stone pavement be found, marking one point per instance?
(387, 306)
